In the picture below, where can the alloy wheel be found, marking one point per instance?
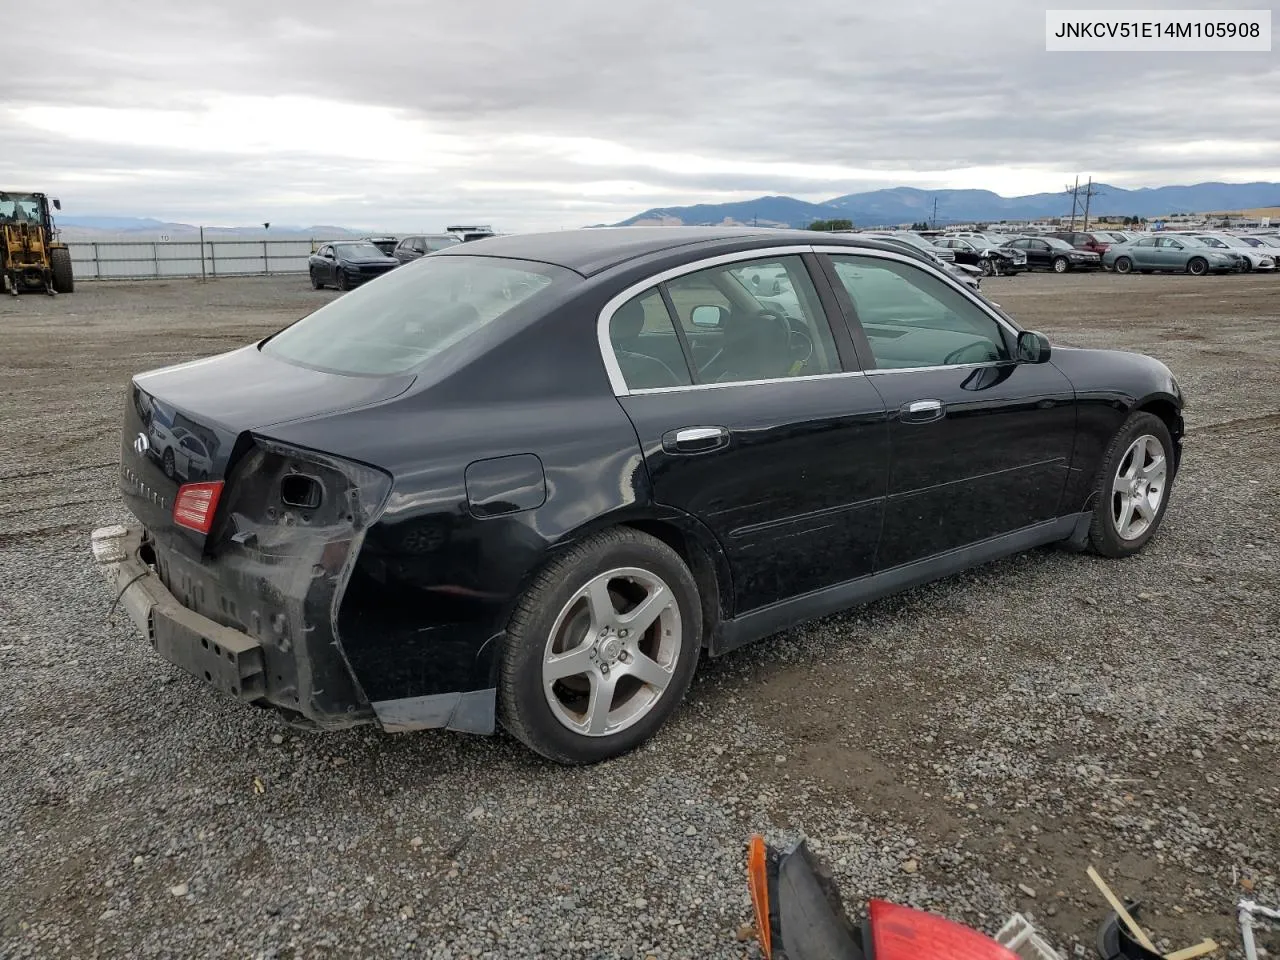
(1138, 487)
(612, 652)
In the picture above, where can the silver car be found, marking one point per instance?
(1170, 253)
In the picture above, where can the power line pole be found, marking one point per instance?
(1089, 193)
(1075, 194)
(935, 211)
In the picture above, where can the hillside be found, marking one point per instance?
(909, 204)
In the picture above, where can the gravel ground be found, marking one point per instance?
(969, 747)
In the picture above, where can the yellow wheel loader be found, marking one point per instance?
(31, 258)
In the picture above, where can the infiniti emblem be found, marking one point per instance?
(141, 445)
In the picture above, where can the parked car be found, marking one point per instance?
(1170, 253)
(1263, 241)
(1051, 253)
(1252, 258)
(1082, 241)
(1110, 237)
(386, 244)
(993, 261)
(415, 518)
(348, 263)
(970, 276)
(419, 245)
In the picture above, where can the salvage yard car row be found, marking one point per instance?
(1194, 252)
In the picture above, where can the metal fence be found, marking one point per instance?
(153, 259)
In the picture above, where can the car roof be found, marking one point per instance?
(592, 250)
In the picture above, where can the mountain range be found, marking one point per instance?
(899, 205)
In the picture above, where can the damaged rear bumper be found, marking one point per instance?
(262, 673)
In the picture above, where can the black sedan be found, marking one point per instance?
(993, 261)
(533, 480)
(348, 264)
(1050, 253)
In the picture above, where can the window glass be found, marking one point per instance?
(409, 316)
(913, 319)
(754, 320)
(645, 344)
(1148, 242)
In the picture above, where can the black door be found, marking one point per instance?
(1039, 254)
(753, 419)
(980, 445)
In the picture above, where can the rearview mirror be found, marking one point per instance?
(708, 315)
(1033, 347)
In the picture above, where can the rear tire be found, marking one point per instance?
(1061, 265)
(561, 623)
(1124, 265)
(1197, 266)
(988, 268)
(1131, 458)
(64, 280)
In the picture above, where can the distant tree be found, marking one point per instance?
(831, 225)
(922, 225)
(982, 228)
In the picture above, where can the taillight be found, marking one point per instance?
(900, 933)
(195, 505)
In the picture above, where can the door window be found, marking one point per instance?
(645, 344)
(913, 319)
(754, 320)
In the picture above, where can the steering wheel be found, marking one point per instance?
(955, 356)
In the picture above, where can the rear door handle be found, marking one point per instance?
(923, 411)
(695, 439)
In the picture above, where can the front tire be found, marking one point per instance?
(601, 648)
(64, 280)
(1124, 265)
(170, 470)
(1061, 265)
(1133, 487)
(340, 280)
(316, 284)
(988, 268)
(1198, 266)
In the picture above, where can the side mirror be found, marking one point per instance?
(708, 316)
(1033, 347)
(57, 204)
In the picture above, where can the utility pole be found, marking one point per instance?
(1089, 193)
(1075, 193)
(935, 211)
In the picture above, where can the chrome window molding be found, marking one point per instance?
(619, 383)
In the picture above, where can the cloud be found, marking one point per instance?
(401, 115)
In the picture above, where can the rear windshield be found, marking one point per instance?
(401, 320)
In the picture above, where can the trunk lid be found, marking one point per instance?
(191, 423)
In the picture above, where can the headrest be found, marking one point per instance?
(627, 321)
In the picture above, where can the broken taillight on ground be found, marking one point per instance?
(195, 505)
(800, 916)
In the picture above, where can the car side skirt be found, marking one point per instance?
(777, 617)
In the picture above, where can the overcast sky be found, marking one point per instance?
(405, 114)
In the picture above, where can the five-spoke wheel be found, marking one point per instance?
(612, 651)
(601, 647)
(1133, 486)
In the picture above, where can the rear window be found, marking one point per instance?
(403, 319)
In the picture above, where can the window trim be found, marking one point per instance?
(616, 380)
(619, 384)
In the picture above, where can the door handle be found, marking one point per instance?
(922, 411)
(695, 439)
